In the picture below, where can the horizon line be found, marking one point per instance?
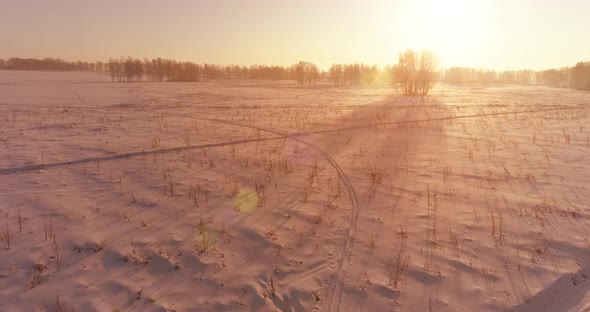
(322, 68)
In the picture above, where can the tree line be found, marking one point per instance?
(49, 64)
(134, 70)
(416, 71)
(355, 74)
(577, 77)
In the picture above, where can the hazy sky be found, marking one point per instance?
(496, 34)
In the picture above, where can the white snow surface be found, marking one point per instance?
(268, 196)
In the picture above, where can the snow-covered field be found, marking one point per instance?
(268, 196)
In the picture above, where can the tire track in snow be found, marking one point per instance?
(23, 169)
(80, 98)
(293, 136)
(336, 287)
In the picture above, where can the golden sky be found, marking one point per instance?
(494, 34)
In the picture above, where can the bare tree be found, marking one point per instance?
(115, 69)
(524, 77)
(427, 72)
(336, 73)
(306, 73)
(580, 76)
(417, 71)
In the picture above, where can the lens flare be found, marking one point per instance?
(246, 200)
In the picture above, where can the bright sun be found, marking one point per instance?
(453, 22)
(451, 29)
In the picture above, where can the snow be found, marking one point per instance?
(250, 195)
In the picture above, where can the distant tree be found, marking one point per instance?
(169, 70)
(207, 72)
(149, 69)
(405, 71)
(370, 74)
(189, 72)
(100, 67)
(312, 73)
(580, 76)
(565, 76)
(507, 77)
(300, 72)
(159, 69)
(490, 76)
(336, 73)
(305, 73)
(133, 69)
(115, 69)
(387, 74)
(138, 69)
(416, 71)
(427, 72)
(465, 75)
(552, 77)
(47, 64)
(524, 77)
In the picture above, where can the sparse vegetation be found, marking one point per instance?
(366, 193)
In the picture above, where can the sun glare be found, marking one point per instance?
(452, 29)
(454, 22)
